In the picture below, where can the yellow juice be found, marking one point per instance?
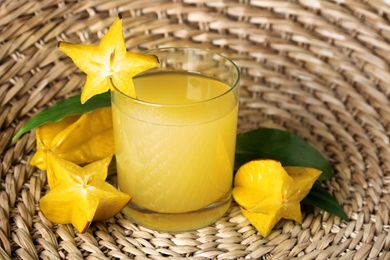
(175, 149)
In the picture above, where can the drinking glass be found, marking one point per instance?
(175, 141)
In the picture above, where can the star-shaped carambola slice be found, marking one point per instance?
(108, 60)
(80, 195)
(267, 192)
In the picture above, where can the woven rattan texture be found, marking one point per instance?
(317, 68)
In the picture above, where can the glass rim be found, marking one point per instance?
(143, 102)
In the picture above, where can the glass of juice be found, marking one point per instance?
(175, 141)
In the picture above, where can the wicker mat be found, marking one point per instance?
(316, 68)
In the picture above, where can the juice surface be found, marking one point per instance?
(177, 157)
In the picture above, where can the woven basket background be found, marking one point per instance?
(316, 68)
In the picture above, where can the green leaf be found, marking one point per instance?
(67, 107)
(289, 149)
(320, 198)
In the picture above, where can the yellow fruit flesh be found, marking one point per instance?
(267, 192)
(80, 195)
(44, 136)
(88, 139)
(108, 61)
(80, 139)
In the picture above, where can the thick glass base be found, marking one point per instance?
(176, 222)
